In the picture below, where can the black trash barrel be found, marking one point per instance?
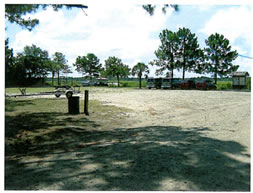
(73, 104)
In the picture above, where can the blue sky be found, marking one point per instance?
(125, 30)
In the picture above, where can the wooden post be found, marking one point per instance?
(86, 100)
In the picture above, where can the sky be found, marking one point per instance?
(127, 31)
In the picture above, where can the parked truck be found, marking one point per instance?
(154, 83)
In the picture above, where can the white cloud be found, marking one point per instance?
(235, 24)
(120, 29)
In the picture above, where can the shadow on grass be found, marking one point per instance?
(26, 130)
(10, 105)
(143, 158)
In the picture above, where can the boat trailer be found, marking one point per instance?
(60, 90)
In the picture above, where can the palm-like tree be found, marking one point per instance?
(140, 69)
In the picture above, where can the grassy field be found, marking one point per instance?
(224, 85)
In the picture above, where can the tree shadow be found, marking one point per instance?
(10, 105)
(29, 130)
(143, 158)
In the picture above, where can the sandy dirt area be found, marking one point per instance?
(225, 113)
(167, 140)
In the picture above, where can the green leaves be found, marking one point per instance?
(139, 69)
(115, 68)
(88, 64)
(188, 51)
(151, 8)
(180, 50)
(27, 66)
(60, 60)
(15, 12)
(219, 56)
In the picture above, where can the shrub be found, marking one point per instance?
(224, 85)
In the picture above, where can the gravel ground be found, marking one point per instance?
(169, 140)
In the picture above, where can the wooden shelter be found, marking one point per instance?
(239, 79)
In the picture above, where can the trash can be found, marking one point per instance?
(73, 105)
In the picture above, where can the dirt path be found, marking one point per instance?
(168, 140)
(227, 113)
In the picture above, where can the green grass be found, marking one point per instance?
(69, 83)
(133, 84)
(248, 83)
(39, 117)
(227, 85)
(224, 85)
(29, 90)
(18, 105)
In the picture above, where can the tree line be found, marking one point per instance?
(32, 65)
(178, 51)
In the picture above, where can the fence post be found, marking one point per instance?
(86, 100)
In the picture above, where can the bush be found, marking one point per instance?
(133, 84)
(224, 85)
(248, 83)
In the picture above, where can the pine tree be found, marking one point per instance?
(167, 52)
(189, 51)
(219, 56)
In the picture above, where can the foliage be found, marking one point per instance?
(29, 66)
(219, 56)
(60, 63)
(140, 69)
(52, 65)
(248, 83)
(15, 12)
(133, 84)
(224, 85)
(9, 63)
(167, 52)
(102, 72)
(88, 64)
(189, 52)
(151, 8)
(35, 60)
(115, 68)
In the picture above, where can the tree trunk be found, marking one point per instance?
(184, 59)
(90, 76)
(216, 69)
(118, 80)
(140, 82)
(171, 78)
(215, 74)
(58, 74)
(52, 78)
(183, 71)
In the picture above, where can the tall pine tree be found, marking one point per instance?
(219, 56)
(167, 52)
(189, 51)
